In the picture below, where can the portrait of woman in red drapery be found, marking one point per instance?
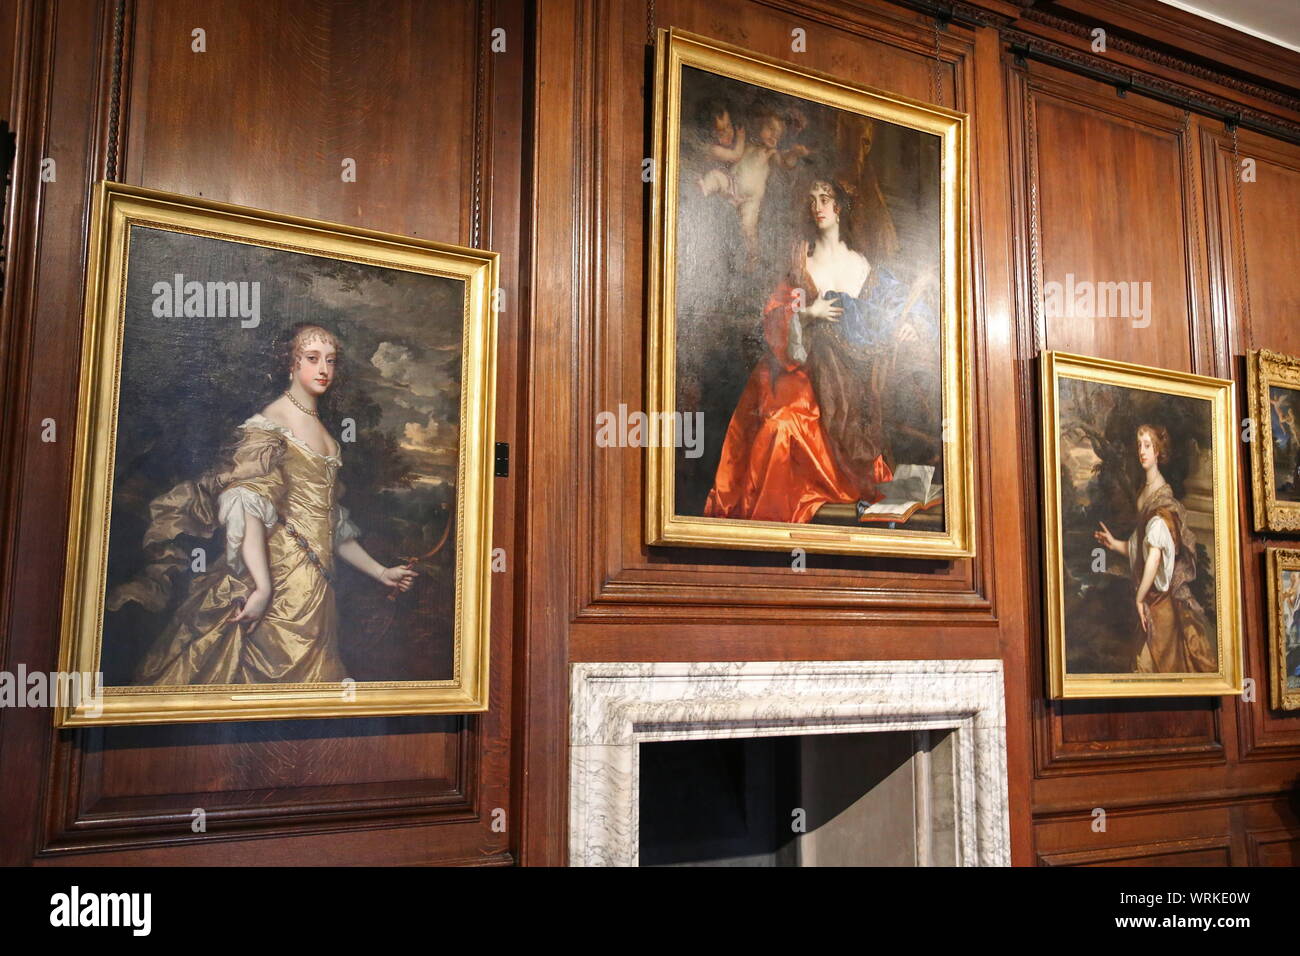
(807, 332)
(807, 430)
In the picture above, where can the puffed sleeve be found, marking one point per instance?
(344, 529)
(253, 489)
(1158, 536)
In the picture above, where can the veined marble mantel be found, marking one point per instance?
(616, 707)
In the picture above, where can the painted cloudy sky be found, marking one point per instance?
(400, 336)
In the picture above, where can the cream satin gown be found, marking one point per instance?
(279, 480)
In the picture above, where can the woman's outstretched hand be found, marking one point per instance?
(1105, 537)
(399, 576)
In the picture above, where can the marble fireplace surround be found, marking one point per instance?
(615, 707)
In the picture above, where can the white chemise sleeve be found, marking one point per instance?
(344, 529)
(794, 346)
(1155, 535)
(1158, 536)
(234, 507)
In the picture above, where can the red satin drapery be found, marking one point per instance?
(776, 462)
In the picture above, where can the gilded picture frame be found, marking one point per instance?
(693, 363)
(1284, 626)
(407, 327)
(1273, 383)
(1139, 463)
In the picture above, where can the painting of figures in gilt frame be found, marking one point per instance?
(1141, 550)
(1273, 380)
(1284, 626)
(807, 357)
(281, 496)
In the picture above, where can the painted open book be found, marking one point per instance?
(913, 489)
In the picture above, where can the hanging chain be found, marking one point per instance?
(1190, 165)
(936, 90)
(650, 22)
(1241, 231)
(115, 93)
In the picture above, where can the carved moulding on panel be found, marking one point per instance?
(1058, 757)
(611, 586)
(655, 602)
(1219, 846)
(81, 818)
(1122, 45)
(1177, 91)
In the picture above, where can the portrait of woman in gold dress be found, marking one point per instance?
(1141, 584)
(265, 611)
(281, 505)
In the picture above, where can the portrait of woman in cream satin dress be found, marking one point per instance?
(265, 610)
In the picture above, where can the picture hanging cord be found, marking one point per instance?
(650, 22)
(115, 93)
(936, 90)
(1189, 164)
(480, 133)
(1241, 232)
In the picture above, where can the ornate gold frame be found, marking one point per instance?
(1264, 369)
(1227, 555)
(663, 525)
(115, 209)
(1279, 560)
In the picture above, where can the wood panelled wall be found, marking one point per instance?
(1067, 177)
(265, 117)
(537, 152)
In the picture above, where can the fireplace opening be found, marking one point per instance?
(852, 799)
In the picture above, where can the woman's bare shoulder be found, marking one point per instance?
(270, 424)
(860, 269)
(275, 413)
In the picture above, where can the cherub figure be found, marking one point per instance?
(1286, 417)
(752, 171)
(724, 143)
(1290, 597)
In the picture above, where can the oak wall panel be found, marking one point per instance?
(1110, 189)
(265, 117)
(611, 597)
(621, 580)
(1170, 836)
(1111, 192)
(1127, 187)
(1253, 246)
(286, 92)
(536, 152)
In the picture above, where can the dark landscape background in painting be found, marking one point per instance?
(1100, 480)
(1285, 412)
(720, 296)
(187, 383)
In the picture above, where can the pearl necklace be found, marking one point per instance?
(302, 408)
